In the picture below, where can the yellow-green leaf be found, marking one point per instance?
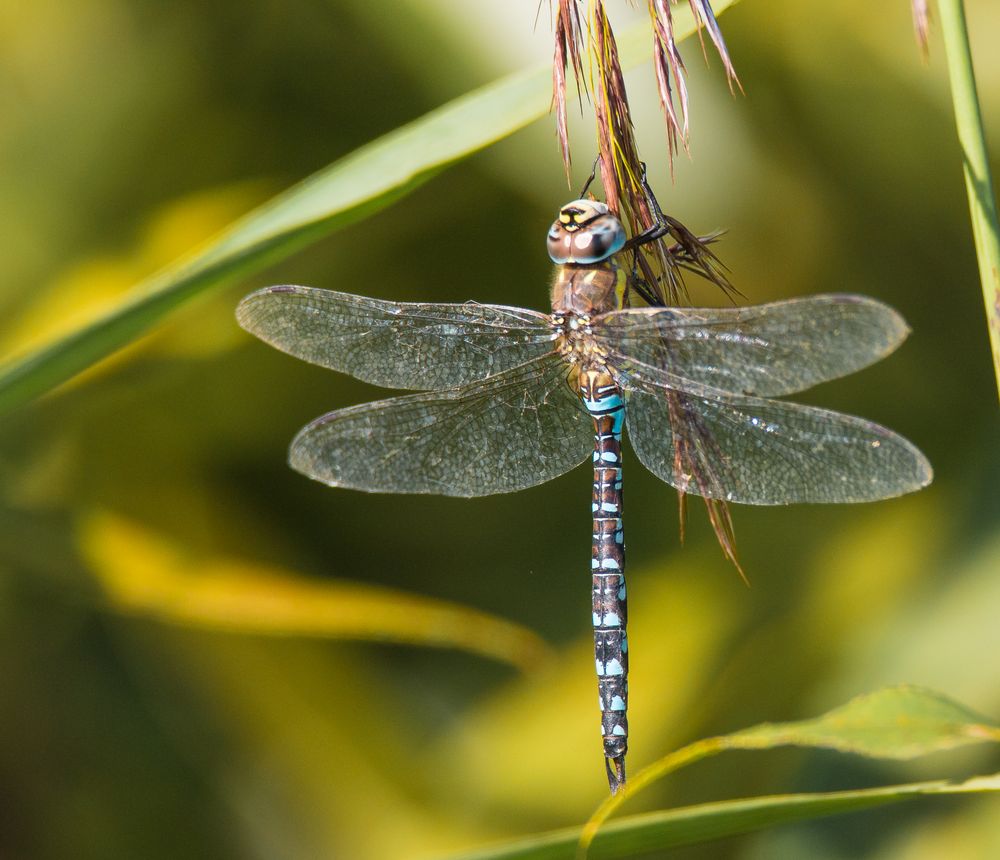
(897, 722)
(656, 831)
(143, 573)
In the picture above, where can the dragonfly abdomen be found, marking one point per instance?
(603, 400)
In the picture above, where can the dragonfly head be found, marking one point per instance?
(585, 233)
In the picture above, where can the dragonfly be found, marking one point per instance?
(508, 398)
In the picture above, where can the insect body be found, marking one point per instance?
(509, 398)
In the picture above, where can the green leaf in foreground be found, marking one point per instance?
(358, 185)
(656, 831)
(897, 722)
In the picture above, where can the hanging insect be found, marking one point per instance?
(513, 397)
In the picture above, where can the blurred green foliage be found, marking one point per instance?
(134, 130)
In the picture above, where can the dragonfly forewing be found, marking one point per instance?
(766, 350)
(767, 452)
(396, 344)
(511, 431)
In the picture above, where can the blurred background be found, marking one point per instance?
(166, 692)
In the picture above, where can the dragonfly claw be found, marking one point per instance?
(616, 772)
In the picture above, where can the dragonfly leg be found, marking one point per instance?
(590, 179)
(665, 225)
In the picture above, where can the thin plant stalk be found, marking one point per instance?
(976, 165)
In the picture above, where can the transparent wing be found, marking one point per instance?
(766, 452)
(395, 344)
(764, 350)
(514, 430)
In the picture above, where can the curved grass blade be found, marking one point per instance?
(144, 574)
(350, 189)
(895, 723)
(656, 831)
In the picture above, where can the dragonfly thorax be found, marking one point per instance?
(587, 290)
(579, 294)
(575, 342)
(584, 233)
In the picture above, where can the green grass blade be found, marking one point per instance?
(975, 165)
(657, 831)
(361, 183)
(897, 723)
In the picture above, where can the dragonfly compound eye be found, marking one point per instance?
(585, 233)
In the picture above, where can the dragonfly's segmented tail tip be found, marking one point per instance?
(616, 772)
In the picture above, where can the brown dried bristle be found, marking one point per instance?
(703, 14)
(568, 44)
(689, 444)
(622, 170)
(668, 64)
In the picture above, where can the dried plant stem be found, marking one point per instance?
(976, 164)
